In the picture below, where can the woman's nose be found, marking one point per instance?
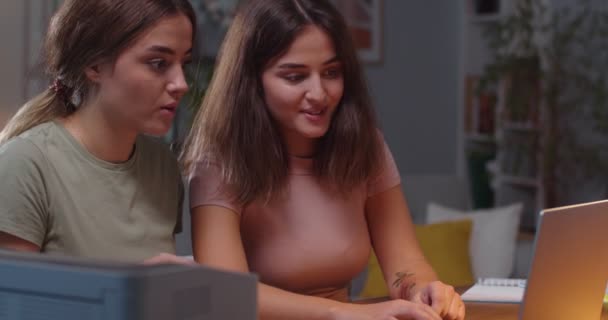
(177, 85)
(316, 92)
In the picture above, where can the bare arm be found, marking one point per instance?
(217, 242)
(407, 272)
(394, 241)
(10, 242)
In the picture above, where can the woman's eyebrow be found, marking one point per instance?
(290, 65)
(163, 49)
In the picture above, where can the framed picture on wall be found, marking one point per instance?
(364, 18)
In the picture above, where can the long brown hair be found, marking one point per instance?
(81, 33)
(234, 129)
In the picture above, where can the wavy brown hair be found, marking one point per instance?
(82, 33)
(233, 128)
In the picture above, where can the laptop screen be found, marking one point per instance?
(569, 270)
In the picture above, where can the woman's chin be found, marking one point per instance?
(313, 133)
(157, 131)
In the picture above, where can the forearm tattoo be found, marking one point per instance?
(402, 276)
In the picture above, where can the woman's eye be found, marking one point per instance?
(333, 73)
(157, 64)
(294, 77)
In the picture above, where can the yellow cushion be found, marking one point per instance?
(446, 247)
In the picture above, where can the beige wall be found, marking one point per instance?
(11, 56)
(416, 87)
(21, 40)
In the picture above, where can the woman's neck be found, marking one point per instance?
(299, 146)
(103, 138)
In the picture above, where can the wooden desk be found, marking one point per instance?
(491, 311)
(488, 311)
(501, 311)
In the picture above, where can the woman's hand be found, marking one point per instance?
(389, 310)
(441, 297)
(168, 258)
(394, 240)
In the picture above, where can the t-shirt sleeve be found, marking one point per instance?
(388, 175)
(23, 193)
(208, 189)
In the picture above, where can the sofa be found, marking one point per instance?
(453, 192)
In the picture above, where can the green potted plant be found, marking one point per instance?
(553, 68)
(515, 60)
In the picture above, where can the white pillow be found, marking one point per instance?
(493, 239)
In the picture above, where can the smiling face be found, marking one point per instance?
(142, 88)
(302, 89)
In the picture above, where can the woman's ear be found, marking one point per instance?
(93, 73)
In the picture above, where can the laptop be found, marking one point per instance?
(568, 274)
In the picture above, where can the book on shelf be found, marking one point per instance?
(478, 112)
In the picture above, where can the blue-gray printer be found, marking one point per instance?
(44, 287)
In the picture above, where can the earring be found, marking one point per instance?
(75, 99)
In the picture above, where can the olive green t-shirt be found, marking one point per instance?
(56, 194)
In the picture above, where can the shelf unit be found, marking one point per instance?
(484, 11)
(514, 171)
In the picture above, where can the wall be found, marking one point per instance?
(417, 86)
(11, 56)
(23, 24)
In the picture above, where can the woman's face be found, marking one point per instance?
(303, 87)
(141, 90)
